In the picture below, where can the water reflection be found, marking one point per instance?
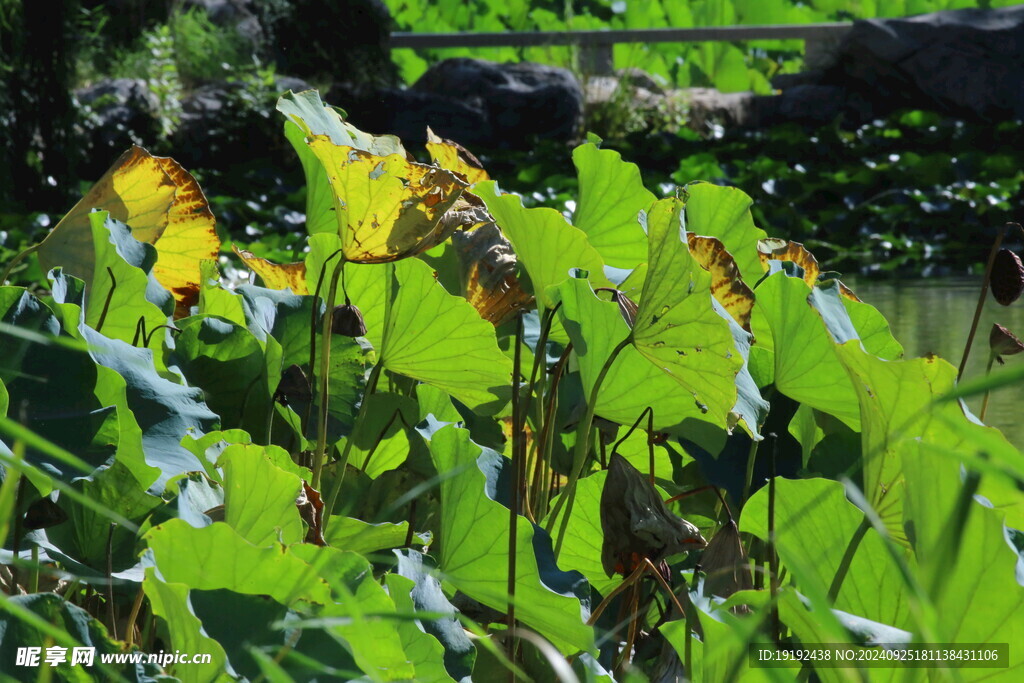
(934, 315)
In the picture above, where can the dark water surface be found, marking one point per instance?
(934, 315)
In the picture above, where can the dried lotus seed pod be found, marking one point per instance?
(348, 320)
(1007, 277)
(1002, 342)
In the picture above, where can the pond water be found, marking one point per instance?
(934, 315)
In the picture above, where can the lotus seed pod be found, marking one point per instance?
(1002, 342)
(725, 563)
(347, 319)
(1007, 277)
(637, 525)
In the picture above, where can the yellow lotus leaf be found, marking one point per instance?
(161, 203)
(775, 249)
(454, 157)
(276, 275)
(727, 286)
(387, 207)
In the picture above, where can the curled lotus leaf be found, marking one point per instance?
(775, 249)
(162, 204)
(727, 285)
(276, 275)
(311, 116)
(454, 157)
(386, 207)
(488, 272)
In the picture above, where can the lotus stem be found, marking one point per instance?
(325, 373)
(542, 465)
(136, 607)
(773, 557)
(988, 392)
(517, 482)
(110, 580)
(314, 309)
(649, 413)
(371, 387)
(981, 300)
(582, 446)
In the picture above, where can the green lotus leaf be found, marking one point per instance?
(45, 619)
(276, 315)
(633, 383)
(677, 328)
(723, 653)
(110, 412)
(170, 602)
(873, 330)
(440, 339)
(425, 595)
(816, 526)
(381, 442)
(977, 592)
(474, 540)
(259, 497)
(896, 400)
(424, 651)
(545, 243)
(228, 363)
(87, 536)
(355, 535)
(806, 367)
(306, 112)
(611, 197)
(724, 212)
(221, 612)
(215, 300)
(217, 556)
(79, 421)
(364, 615)
(123, 288)
(366, 283)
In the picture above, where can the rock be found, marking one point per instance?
(708, 106)
(225, 124)
(240, 15)
(115, 114)
(407, 113)
(521, 101)
(964, 63)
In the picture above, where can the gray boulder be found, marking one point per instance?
(521, 102)
(967, 63)
(225, 124)
(115, 114)
(407, 114)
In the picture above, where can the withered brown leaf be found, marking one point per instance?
(636, 522)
